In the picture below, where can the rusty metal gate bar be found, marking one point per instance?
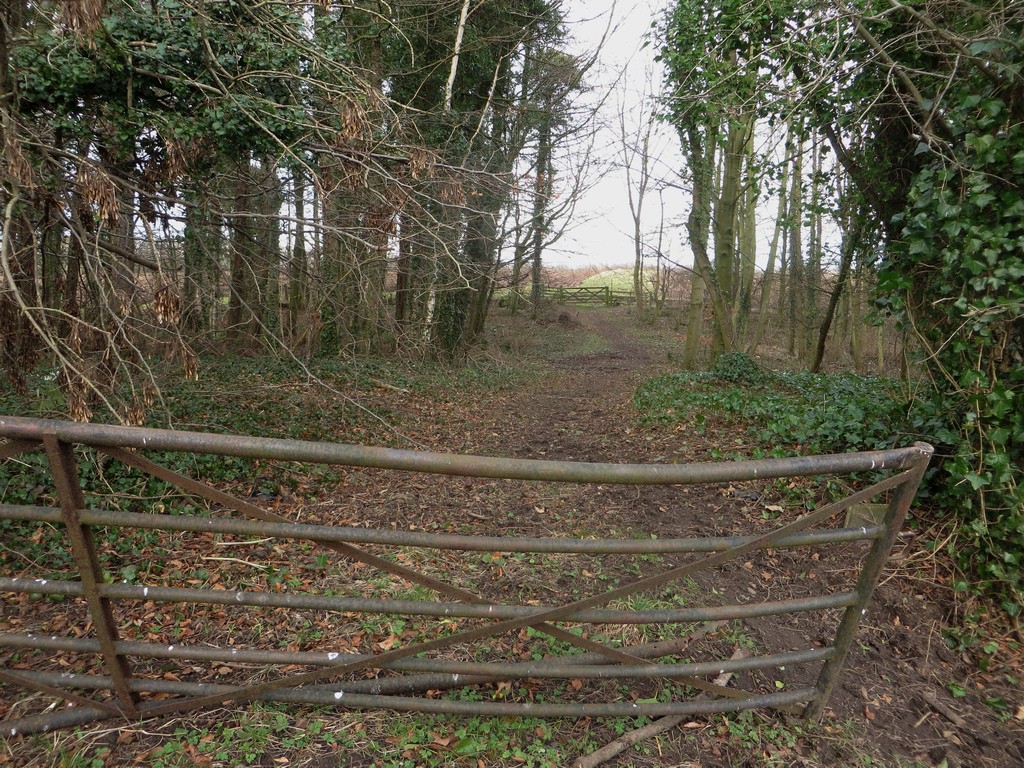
(596, 662)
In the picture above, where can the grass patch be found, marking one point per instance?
(564, 341)
(617, 279)
(442, 741)
(260, 734)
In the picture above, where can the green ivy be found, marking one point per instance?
(958, 278)
(738, 367)
(788, 412)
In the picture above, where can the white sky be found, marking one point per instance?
(601, 230)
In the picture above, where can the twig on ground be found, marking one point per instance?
(627, 740)
(392, 387)
(943, 709)
(238, 560)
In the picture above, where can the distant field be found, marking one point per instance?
(616, 279)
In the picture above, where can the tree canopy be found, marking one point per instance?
(318, 177)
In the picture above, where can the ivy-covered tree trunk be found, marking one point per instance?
(269, 197)
(724, 225)
(244, 304)
(201, 264)
(701, 152)
(481, 260)
(702, 163)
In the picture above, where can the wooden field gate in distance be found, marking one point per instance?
(599, 294)
(337, 677)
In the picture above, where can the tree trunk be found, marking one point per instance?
(851, 243)
(881, 350)
(796, 287)
(748, 243)
(766, 283)
(518, 264)
(856, 321)
(243, 318)
(403, 279)
(268, 224)
(297, 266)
(702, 161)
(725, 216)
(201, 247)
(694, 322)
(812, 271)
(540, 202)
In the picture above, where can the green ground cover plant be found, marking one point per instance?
(783, 412)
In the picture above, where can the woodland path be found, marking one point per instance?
(581, 410)
(894, 699)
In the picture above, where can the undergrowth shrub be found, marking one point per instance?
(813, 413)
(738, 367)
(265, 397)
(835, 413)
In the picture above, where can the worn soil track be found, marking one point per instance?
(895, 704)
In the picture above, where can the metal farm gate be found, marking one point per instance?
(124, 669)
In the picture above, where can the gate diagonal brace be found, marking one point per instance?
(13, 678)
(248, 693)
(122, 443)
(13, 448)
(355, 553)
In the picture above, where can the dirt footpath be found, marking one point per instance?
(905, 698)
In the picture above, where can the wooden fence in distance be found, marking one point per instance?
(601, 294)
